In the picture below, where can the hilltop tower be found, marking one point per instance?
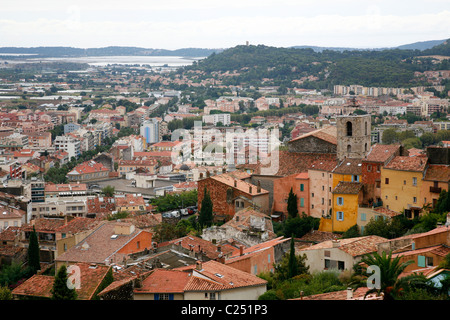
(353, 136)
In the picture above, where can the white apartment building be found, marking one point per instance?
(224, 118)
(150, 130)
(69, 144)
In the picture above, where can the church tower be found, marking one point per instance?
(353, 136)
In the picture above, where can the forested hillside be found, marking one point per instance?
(381, 68)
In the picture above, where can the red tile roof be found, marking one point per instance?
(437, 172)
(37, 286)
(345, 187)
(407, 163)
(89, 167)
(382, 152)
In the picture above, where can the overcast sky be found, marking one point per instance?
(174, 24)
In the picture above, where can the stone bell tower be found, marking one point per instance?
(353, 136)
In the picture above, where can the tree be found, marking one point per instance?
(206, 211)
(293, 263)
(292, 204)
(33, 252)
(60, 290)
(108, 191)
(5, 293)
(390, 136)
(390, 270)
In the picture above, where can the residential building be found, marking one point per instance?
(88, 171)
(133, 203)
(40, 286)
(321, 187)
(150, 131)
(111, 243)
(230, 195)
(347, 196)
(401, 184)
(206, 281)
(299, 184)
(340, 254)
(223, 118)
(260, 257)
(435, 179)
(68, 144)
(379, 155)
(248, 226)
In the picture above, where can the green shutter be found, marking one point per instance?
(363, 217)
(302, 187)
(421, 261)
(302, 202)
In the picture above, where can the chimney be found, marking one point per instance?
(198, 265)
(249, 189)
(259, 186)
(224, 170)
(235, 183)
(349, 294)
(336, 243)
(241, 250)
(207, 173)
(219, 248)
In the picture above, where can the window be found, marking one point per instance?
(326, 253)
(302, 187)
(302, 202)
(163, 296)
(386, 181)
(414, 181)
(312, 195)
(414, 199)
(349, 129)
(349, 148)
(323, 200)
(341, 265)
(340, 201)
(369, 167)
(363, 217)
(355, 178)
(340, 216)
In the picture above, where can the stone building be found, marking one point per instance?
(354, 136)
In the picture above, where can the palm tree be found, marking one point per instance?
(389, 269)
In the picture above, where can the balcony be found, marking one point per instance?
(435, 190)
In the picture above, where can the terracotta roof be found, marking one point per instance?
(317, 236)
(345, 187)
(328, 133)
(424, 234)
(44, 225)
(349, 166)
(297, 162)
(129, 200)
(50, 187)
(439, 250)
(407, 163)
(255, 249)
(79, 224)
(100, 246)
(165, 281)
(382, 152)
(327, 165)
(88, 167)
(197, 244)
(353, 246)
(245, 216)
(387, 212)
(10, 233)
(240, 184)
(437, 172)
(36, 286)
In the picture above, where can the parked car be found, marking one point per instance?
(184, 212)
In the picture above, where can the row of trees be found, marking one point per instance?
(409, 139)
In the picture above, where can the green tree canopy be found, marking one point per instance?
(61, 290)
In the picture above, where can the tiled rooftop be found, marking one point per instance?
(407, 163)
(382, 152)
(349, 166)
(344, 187)
(437, 172)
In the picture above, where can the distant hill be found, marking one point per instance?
(422, 45)
(107, 51)
(323, 69)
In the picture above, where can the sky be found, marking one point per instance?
(175, 24)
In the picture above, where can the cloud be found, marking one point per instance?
(373, 27)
